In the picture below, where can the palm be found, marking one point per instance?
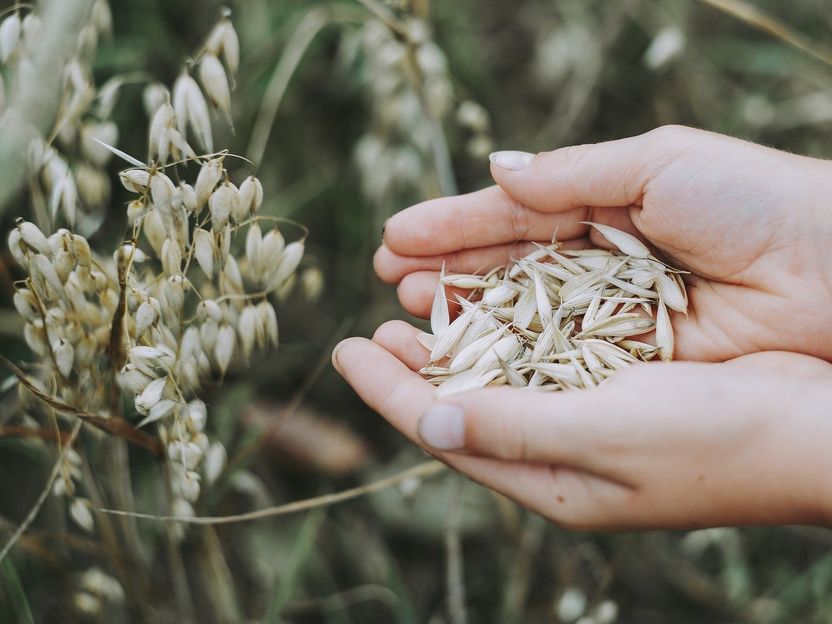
(659, 445)
(734, 214)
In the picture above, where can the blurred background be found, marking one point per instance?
(351, 111)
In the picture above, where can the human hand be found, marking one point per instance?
(752, 224)
(670, 445)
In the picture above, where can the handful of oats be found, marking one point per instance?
(557, 319)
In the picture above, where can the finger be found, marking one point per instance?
(416, 292)
(399, 338)
(614, 173)
(392, 267)
(401, 396)
(478, 219)
(561, 428)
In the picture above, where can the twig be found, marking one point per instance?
(423, 470)
(454, 569)
(761, 20)
(115, 426)
(33, 512)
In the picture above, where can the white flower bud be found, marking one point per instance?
(80, 512)
(208, 333)
(161, 193)
(204, 251)
(223, 203)
(206, 181)
(188, 486)
(171, 257)
(254, 238)
(251, 194)
(9, 36)
(32, 236)
(162, 119)
(151, 395)
(231, 281)
(146, 315)
(186, 453)
(215, 459)
(64, 356)
(268, 320)
(16, 250)
(214, 81)
(188, 196)
(25, 304)
(155, 230)
(250, 329)
(224, 349)
(270, 251)
(136, 180)
(208, 308)
(41, 266)
(289, 261)
(197, 415)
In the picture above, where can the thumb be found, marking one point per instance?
(599, 175)
(504, 423)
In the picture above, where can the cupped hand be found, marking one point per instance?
(671, 445)
(752, 224)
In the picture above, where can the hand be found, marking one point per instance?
(752, 224)
(671, 445)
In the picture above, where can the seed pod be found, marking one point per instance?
(187, 195)
(25, 304)
(254, 238)
(248, 326)
(64, 356)
(9, 36)
(670, 292)
(162, 120)
(186, 453)
(231, 281)
(224, 349)
(171, 257)
(204, 251)
(188, 486)
(268, 321)
(80, 513)
(162, 409)
(132, 380)
(312, 281)
(468, 356)
(208, 308)
(627, 243)
(196, 415)
(251, 195)
(34, 238)
(222, 203)
(206, 181)
(161, 193)
(289, 261)
(664, 332)
(155, 230)
(146, 315)
(215, 83)
(215, 458)
(16, 250)
(41, 266)
(271, 249)
(135, 180)
(151, 395)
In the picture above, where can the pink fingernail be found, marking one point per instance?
(511, 159)
(443, 427)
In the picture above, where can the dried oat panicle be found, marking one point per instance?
(556, 319)
(185, 299)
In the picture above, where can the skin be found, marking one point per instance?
(732, 433)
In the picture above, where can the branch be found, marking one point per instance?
(424, 470)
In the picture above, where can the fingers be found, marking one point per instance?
(416, 292)
(399, 338)
(613, 173)
(479, 219)
(392, 267)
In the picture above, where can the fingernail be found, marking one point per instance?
(511, 159)
(335, 361)
(443, 427)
